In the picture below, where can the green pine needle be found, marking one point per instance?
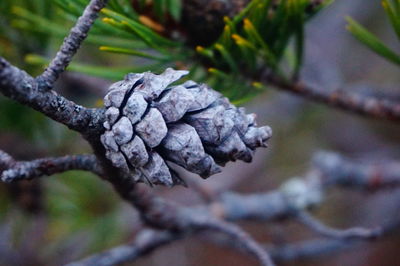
(371, 41)
(119, 50)
(392, 9)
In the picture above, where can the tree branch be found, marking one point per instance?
(339, 170)
(11, 170)
(319, 247)
(71, 44)
(239, 236)
(292, 198)
(355, 103)
(309, 249)
(146, 241)
(21, 87)
(6, 161)
(324, 230)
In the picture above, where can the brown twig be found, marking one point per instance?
(355, 103)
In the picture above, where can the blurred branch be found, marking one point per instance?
(294, 195)
(319, 247)
(309, 249)
(328, 169)
(351, 102)
(339, 170)
(11, 170)
(71, 44)
(289, 201)
(6, 161)
(162, 214)
(324, 230)
(239, 236)
(207, 193)
(146, 241)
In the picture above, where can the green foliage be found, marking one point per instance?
(76, 202)
(162, 7)
(92, 70)
(253, 41)
(259, 33)
(392, 9)
(15, 43)
(15, 117)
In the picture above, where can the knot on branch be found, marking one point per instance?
(149, 122)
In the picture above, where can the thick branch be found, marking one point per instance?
(355, 103)
(11, 170)
(71, 44)
(21, 87)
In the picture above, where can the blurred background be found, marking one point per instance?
(65, 217)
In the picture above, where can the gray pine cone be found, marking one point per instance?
(149, 123)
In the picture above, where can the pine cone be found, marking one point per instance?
(149, 123)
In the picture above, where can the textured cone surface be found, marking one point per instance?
(150, 123)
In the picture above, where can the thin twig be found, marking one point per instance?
(206, 192)
(355, 103)
(319, 247)
(11, 170)
(241, 237)
(309, 249)
(324, 230)
(148, 240)
(71, 44)
(145, 242)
